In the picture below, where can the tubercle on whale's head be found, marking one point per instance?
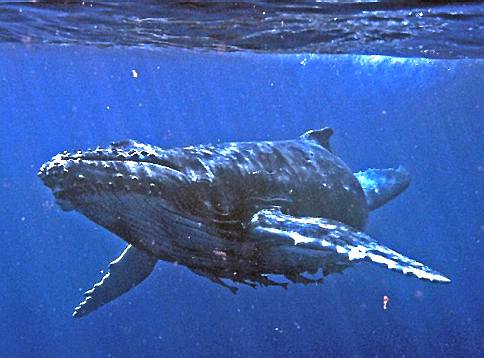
(125, 165)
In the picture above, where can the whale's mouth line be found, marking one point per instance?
(115, 156)
(70, 175)
(123, 157)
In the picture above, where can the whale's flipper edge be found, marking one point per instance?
(126, 272)
(337, 241)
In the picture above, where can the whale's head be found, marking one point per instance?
(132, 189)
(78, 178)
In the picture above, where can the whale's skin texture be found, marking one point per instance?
(197, 206)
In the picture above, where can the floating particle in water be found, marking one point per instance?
(418, 294)
(386, 299)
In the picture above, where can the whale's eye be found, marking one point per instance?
(166, 163)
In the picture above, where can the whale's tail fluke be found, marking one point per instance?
(382, 185)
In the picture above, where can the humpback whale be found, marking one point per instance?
(254, 213)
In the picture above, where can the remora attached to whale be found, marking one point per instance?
(234, 211)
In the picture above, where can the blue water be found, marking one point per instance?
(424, 114)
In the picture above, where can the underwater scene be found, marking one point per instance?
(241, 179)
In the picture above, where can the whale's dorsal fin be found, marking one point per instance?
(319, 135)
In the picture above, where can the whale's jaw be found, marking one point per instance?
(124, 166)
(128, 190)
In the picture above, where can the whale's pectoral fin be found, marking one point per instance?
(382, 185)
(334, 239)
(127, 271)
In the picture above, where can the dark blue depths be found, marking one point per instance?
(425, 115)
